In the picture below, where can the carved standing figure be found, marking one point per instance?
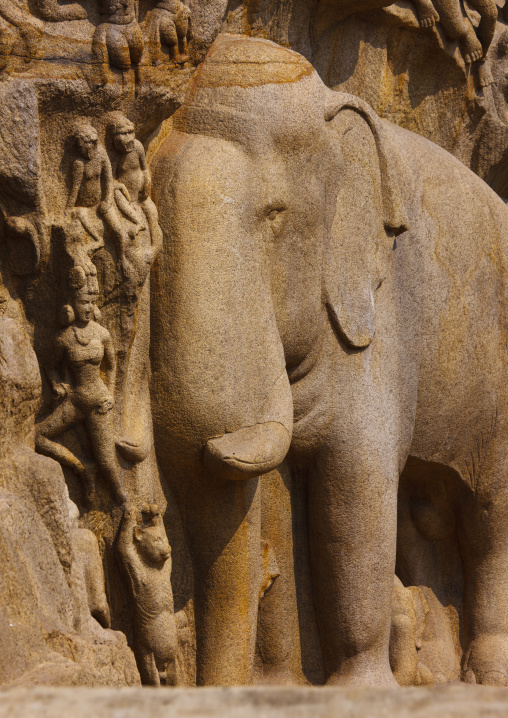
(145, 554)
(169, 24)
(82, 350)
(87, 572)
(138, 213)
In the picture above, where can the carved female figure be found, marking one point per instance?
(82, 350)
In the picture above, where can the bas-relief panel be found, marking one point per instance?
(243, 345)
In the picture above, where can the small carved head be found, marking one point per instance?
(122, 132)
(86, 138)
(150, 537)
(84, 288)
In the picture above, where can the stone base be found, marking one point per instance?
(447, 702)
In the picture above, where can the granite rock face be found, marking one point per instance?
(253, 321)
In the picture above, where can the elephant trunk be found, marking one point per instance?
(221, 392)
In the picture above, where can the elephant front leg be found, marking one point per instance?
(352, 530)
(226, 532)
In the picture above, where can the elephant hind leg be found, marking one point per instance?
(352, 531)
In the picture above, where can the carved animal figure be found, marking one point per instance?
(118, 40)
(169, 24)
(146, 557)
(337, 284)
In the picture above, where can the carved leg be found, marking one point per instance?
(487, 26)
(135, 40)
(458, 27)
(182, 28)
(50, 10)
(118, 47)
(427, 13)
(484, 539)
(168, 35)
(64, 417)
(352, 531)
(102, 439)
(146, 666)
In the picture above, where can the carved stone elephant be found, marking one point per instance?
(333, 288)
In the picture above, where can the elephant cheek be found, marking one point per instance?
(248, 452)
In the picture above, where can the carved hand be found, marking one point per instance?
(61, 389)
(147, 188)
(106, 405)
(123, 189)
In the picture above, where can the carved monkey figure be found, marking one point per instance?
(146, 557)
(169, 24)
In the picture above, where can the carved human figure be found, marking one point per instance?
(473, 44)
(139, 214)
(30, 28)
(118, 40)
(91, 197)
(145, 554)
(169, 24)
(51, 11)
(83, 350)
(87, 570)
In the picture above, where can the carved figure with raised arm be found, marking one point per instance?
(145, 554)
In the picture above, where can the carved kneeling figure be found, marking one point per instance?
(146, 557)
(169, 24)
(87, 571)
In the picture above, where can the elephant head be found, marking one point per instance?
(260, 207)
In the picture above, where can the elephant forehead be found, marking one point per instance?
(248, 62)
(256, 113)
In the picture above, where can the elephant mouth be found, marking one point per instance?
(300, 370)
(248, 452)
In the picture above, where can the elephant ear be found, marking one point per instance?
(369, 214)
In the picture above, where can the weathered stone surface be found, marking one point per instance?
(463, 702)
(253, 319)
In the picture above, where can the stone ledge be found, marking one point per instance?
(446, 702)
